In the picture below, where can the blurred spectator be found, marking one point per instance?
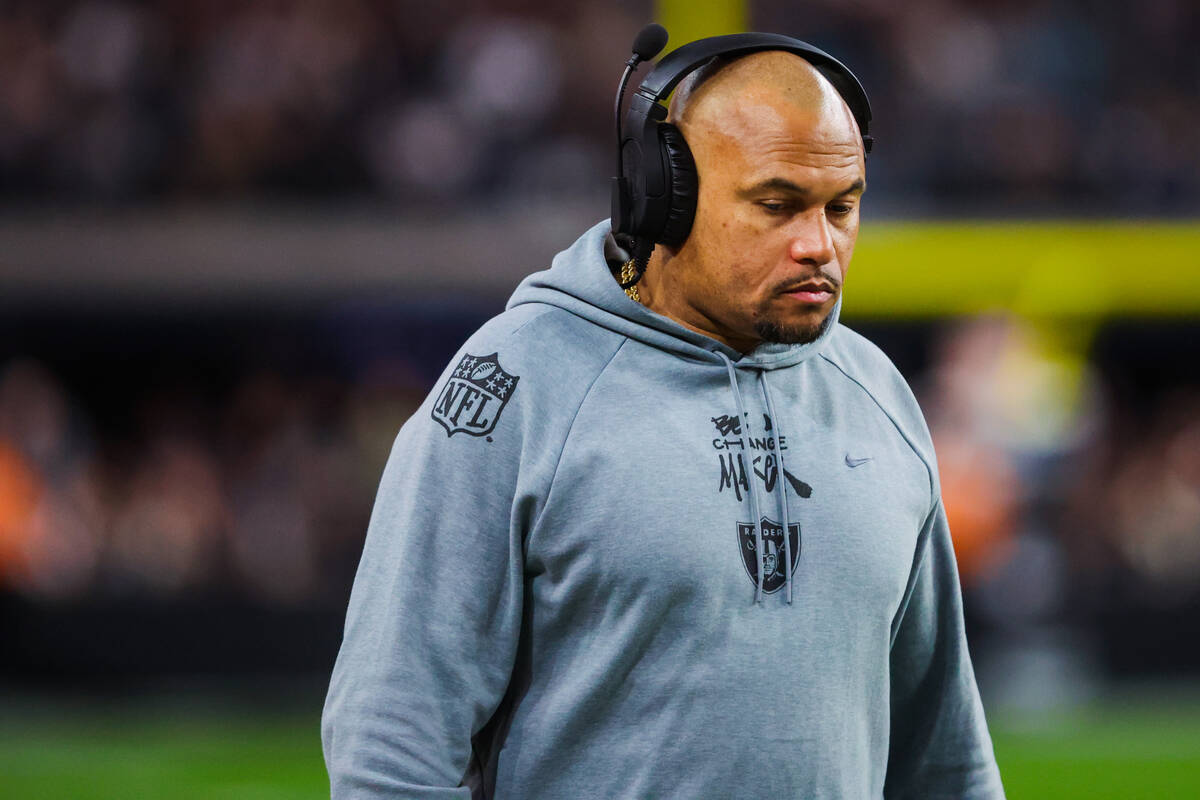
(267, 492)
(51, 509)
(1136, 509)
(1156, 504)
(1007, 406)
(167, 524)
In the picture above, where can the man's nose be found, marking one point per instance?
(812, 242)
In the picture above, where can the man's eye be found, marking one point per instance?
(773, 206)
(840, 209)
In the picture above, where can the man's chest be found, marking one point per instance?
(664, 494)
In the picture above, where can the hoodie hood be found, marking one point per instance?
(579, 281)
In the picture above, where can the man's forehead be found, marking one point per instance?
(770, 94)
(759, 138)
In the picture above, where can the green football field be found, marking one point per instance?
(196, 752)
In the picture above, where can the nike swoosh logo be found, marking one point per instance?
(856, 462)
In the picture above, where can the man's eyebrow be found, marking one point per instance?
(790, 187)
(857, 187)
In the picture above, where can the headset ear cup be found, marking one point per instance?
(684, 184)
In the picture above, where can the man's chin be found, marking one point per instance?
(792, 333)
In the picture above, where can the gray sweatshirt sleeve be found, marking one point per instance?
(939, 747)
(434, 617)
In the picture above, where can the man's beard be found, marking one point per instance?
(769, 331)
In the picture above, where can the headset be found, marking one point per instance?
(655, 188)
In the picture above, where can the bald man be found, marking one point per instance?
(777, 214)
(684, 541)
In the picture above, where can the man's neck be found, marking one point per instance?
(659, 291)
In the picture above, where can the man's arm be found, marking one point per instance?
(434, 617)
(940, 746)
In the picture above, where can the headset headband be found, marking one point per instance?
(677, 64)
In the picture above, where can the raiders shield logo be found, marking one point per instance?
(773, 552)
(474, 396)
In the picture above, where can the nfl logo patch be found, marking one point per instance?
(772, 554)
(474, 396)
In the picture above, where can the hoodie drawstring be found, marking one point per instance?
(744, 418)
(787, 538)
(744, 422)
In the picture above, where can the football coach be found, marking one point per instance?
(664, 528)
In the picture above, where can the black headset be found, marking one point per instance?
(654, 191)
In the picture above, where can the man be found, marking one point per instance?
(689, 545)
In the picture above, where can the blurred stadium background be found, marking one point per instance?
(238, 240)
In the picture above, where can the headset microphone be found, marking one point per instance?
(649, 42)
(646, 45)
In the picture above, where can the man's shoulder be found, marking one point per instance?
(552, 354)
(521, 376)
(545, 340)
(862, 361)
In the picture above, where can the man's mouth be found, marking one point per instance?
(814, 292)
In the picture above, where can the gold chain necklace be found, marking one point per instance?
(628, 274)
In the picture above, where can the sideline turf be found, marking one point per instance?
(1117, 752)
(192, 755)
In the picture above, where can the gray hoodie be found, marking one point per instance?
(613, 558)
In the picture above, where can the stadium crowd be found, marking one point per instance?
(264, 493)
(1054, 485)
(992, 106)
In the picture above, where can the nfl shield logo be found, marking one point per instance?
(772, 554)
(474, 396)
